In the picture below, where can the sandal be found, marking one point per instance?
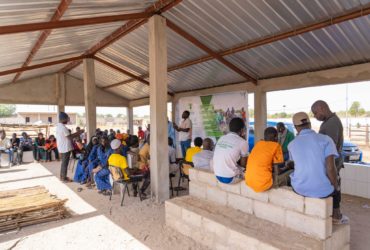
(341, 221)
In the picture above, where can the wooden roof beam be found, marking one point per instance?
(158, 7)
(277, 37)
(59, 12)
(213, 54)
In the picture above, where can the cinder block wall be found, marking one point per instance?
(356, 180)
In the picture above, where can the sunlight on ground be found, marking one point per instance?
(93, 233)
(35, 174)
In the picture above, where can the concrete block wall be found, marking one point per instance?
(281, 206)
(356, 180)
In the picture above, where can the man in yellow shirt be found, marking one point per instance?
(264, 155)
(117, 160)
(194, 150)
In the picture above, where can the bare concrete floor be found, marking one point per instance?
(98, 223)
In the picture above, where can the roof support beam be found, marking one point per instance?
(41, 65)
(29, 27)
(158, 7)
(213, 54)
(59, 12)
(125, 72)
(278, 37)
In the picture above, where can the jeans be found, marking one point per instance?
(184, 146)
(9, 152)
(64, 165)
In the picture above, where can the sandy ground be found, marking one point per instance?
(98, 223)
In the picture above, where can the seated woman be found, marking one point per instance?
(51, 146)
(25, 144)
(39, 148)
(82, 163)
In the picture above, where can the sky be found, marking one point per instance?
(293, 100)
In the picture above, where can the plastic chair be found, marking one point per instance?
(184, 174)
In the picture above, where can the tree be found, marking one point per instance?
(7, 110)
(355, 109)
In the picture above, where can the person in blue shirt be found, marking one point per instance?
(83, 162)
(314, 164)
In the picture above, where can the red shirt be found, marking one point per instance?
(141, 134)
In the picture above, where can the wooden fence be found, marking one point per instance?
(359, 134)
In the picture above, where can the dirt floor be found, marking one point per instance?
(136, 225)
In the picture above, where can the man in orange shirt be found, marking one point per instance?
(264, 155)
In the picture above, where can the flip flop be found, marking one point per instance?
(341, 221)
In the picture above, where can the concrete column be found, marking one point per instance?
(90, 96)
(130, 117)
(260, 114)
(159, 169)
(61, 92)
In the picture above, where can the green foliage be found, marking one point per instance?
(7, 110)
(356, 110)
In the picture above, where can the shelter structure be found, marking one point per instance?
(133, 53)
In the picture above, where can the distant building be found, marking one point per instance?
(42, 117)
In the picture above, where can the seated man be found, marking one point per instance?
(284, 138)
(231, 149)
(144, 156)
(5, 146)
(25, 144)
(14, 141)
(315, 172)
(260, 163)
(190, 152)
(203, 159)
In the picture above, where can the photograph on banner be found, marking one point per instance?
(211, 114)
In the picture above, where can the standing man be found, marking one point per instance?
(284, 138)
(64, 139)
(331, 126)
(184, 132)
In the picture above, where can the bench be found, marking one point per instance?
(237, 213)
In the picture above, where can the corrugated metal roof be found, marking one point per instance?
(92, 8)
(338, 45)
(132, 90)
(104, 75)
(6, 79)
(14, 49)
(207, 74)
(225, 24)
(74, 41)
(42, 71)
(31, 11)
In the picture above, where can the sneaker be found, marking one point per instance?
(341, 221)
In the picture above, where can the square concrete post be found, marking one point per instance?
(260, 113)
(173, 115)
(61, 92)
(130, 117)
(159, 169)
(90, 96)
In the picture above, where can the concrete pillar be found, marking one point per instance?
(159, 169)
(130, 117)
(260, 113)
(90, 96)
(61, 92)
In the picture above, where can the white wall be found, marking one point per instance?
(356, 180)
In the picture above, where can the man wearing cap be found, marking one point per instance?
(64, 139)
(313, 154)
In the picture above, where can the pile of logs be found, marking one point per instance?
(28, 206)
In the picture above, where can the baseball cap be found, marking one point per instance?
(115, 144)
(300, 118)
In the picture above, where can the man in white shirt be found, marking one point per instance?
(184, 132)
(231, 149)
(64, 142)
(204, 158)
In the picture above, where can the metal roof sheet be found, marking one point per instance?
(41, 71)
(207, 74)
(31, 11)
(132, 90)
